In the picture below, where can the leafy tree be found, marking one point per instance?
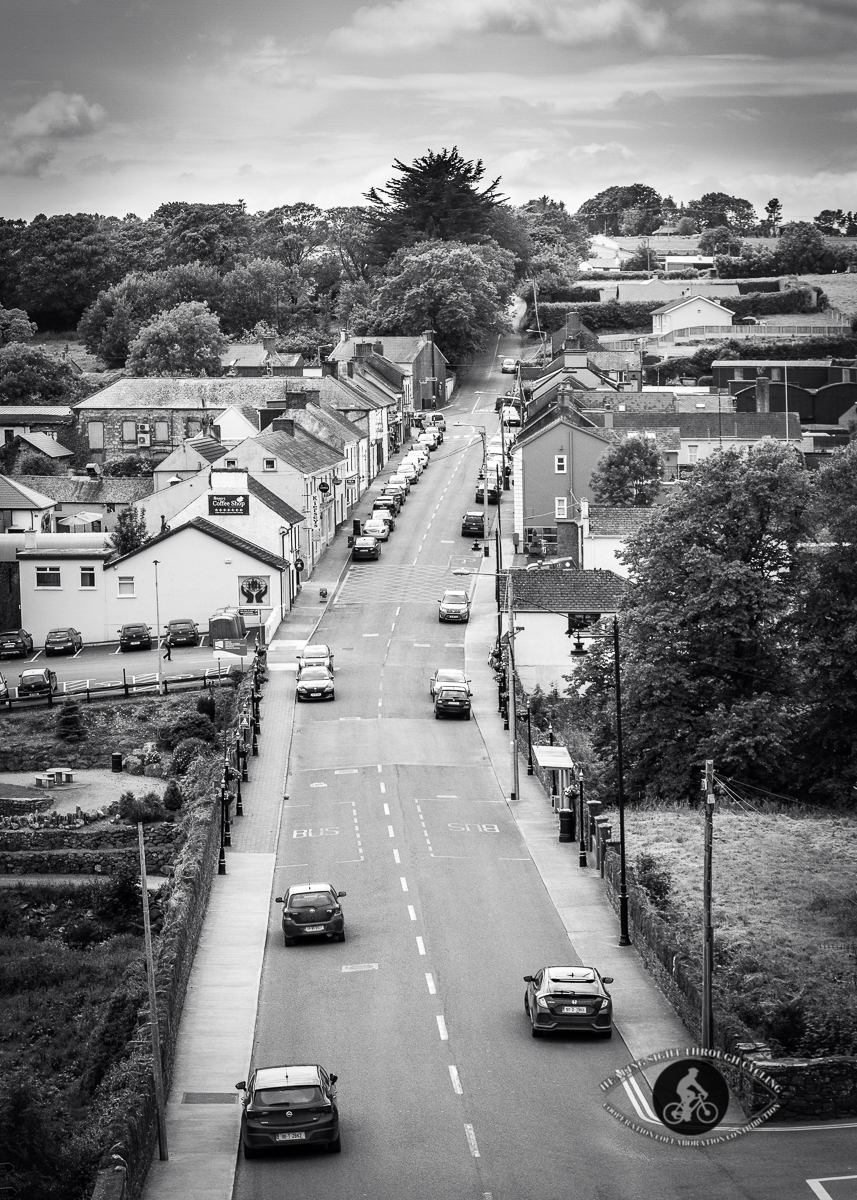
(638, 220)
(559, 242)
(264, 289)
(215, 235)
(774, 214)
(130, 532)
(349, 238)
(35, 463)
(835, 223)
(292, 233)
(707, 641)
(30, 376)
(719, 239)
(628, 474)
(686, 226)
(604, 212)
(716, 208)
(436, 198)
(802, 250)
(185, 340)
(15, 326)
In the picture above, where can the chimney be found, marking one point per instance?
(763, 394)
(284, 425)
(300, 399)
(378, 347)
(269, 343)
(29, 539)
(350, 369)
(343, 336)
(361, 349)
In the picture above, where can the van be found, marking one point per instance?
(438, 420)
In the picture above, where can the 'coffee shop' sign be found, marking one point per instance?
(234, 505)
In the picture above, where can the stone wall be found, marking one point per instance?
(83, 862)
(109, 837)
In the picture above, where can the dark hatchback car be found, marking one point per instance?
(288, 1106)
(493, 491)
(16, 641)
(182, 632)
(452, 700)
(63, 641)
(366, 547)
(568, 999)
(385, 509)
(38, 682)
(312, 910)
(135, 637)
(471, 524)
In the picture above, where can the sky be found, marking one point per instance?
(116, 106)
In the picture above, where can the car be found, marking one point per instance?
(567, 999)
(749, 321)
(315, 683)
(418, 450)
(365, 547)
(429, 439)
(452, 700)
(472, 524)
(453, 606)
(439, 421)
(4, 687)
(493, 491)
(508, 400)
(395, 489)
(509, 366)
(289, 1105)
(399, 480)
(447, 675)
(392, 499)
(312, 910)
(409, 471)
(135, 637)
(510, 415)
(16, 641)
(377, 527)
(385, 511)
(63, 641)
(315, 654)
(416, 463)
(182, 632)
(40, 681)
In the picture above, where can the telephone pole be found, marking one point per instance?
(707, 931)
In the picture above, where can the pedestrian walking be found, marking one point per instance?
(168, 651)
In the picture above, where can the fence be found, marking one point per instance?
(124, 687)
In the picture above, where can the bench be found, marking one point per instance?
(45, 781)
(61, 774)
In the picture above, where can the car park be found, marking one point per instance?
(16, 641)
(569, 999)
(376, 527)
(508, 366)
(63, 641)
(40, 681)
(447, 675)
(135, 637)
(315, 654)
(312, 910)
(452, 700)
(182, 632)
(315, 683)
(365, 548)
(387, 511)
(493, 491)
(454, 606)
(287, 1106)
(472, 524)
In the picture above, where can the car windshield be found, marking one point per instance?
(10, 633)
(311, 900)
(292, 1096)
(314, 673)
(454, 598)
(365, 542)
(58, 635)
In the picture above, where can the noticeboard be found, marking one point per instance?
(234, 505)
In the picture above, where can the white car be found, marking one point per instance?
(419, 454)
(429, 437)
(402, 480)
(509, 366)
(416, 462)
(410, 472)
(511, 416)
(377, 528)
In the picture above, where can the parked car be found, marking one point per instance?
(510, 416)
(447, 675)
(391, 499)
(414, 460)
(376, 527)
(16, 641)
(395, 489)
(566, 999)
(312, 910)
(63, 641)
(317, 654)
(454, 606)
(493, 490)
(365, 547)
(410, 471)
(509, 366)
(399, 480)
(418, 450)
(282, 1106)
(472, 524)
(135, 637)
(182, 632)
(429, 439)
(315, 683)
(386, 509)
(452, 700)
(439, 421)
(40, 681)
(508, 400)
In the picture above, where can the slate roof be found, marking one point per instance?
(614, 360)
(283, 510)
(71, 489)
(52, 552)
(551, 589)
(47, 445)
(17, 495)
(303, 451)
(664, 440)
(24, 414)
(397, 349)
(203, 395)
(745, 426)
(607, 520)
(682, 300)
(220, 534)
(254, 354)
(207, 446)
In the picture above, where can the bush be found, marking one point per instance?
(614, 315)
(759, 304)
(207, 706)
(655, 880)
(147, 808)
(173, 797)
(69, 724)
(82, 933)
(187, 725)
(187, 750)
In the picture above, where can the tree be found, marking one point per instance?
(558, 242)
(15, 326)
(719, 239)
(185, 340)
(802, 250)
(36, 463)
(292, 233)
(716, 208)
(349, 238)
(628, 474)
(686, 226)
(30, 376)
(130, 533)
(436, 198)
(604, 212)
(707, 639)
(835, 223)
(264, 289)
(215, 235)
(129, 466)
(774, 214)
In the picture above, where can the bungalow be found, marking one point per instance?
(23, 508)
(691, 314)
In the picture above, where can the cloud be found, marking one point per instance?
(57, 115)
(805, 26)
(596, 149)
(415, 24)
(27, 159)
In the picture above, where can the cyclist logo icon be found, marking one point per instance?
(691, 1096)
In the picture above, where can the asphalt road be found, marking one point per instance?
(442, 1091)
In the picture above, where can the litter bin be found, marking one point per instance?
(566, 824)
(116, 763)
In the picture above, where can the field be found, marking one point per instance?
(784, 914)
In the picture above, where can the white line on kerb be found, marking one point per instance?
(421, 945)
(471, 1141)
(403, 882)
(430, 983)
(380, 768)
(456, 1082)
(396, 858)
(412, 912)
(441, 1028)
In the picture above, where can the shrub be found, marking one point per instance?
(187, 750)
(69, 724)
(655, 880)
(173, 797)
(207, 706)
(82, 933)
(147, 808)
(187, 725)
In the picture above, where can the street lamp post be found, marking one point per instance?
(530, 767)
(582, 861)
(483, 433)
(155, 561)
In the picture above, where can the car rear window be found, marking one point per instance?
(181, 625)
(136, 629)
(58, 635)
(291, 1096)
(311, 900)
(315, 673)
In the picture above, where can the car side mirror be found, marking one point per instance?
(340, 895)
(279, 900)
(606, 978)
(333, 1078)
(242, 1086)
(528, 979)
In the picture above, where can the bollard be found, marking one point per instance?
(599, 823)
(116, 763)
(605, 833)
(593, 808)
(255, 747)
(566, 825)
(245, 778)
(239, 807)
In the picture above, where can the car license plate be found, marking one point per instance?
(291, 1137)
(314, 929)
(8, 645)
(567, 1008)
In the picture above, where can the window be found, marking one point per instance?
(692, 454)
(87, 577)
(776, 372)
(162, 431)
(126, 585)
(269, 464)
(739, 373)
(48, 577)
(560, 507)
(95, 430)
(129, 432)
(560, 464)
(231, 462)
(193, 427)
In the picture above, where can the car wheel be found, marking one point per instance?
(335, 1147)
(249, 1151)
(288, 941)
(333, 695)
(467, 716)
(437, 716)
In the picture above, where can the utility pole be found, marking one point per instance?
(707, 931)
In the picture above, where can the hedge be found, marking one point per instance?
(761, 303)
(600, 318)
